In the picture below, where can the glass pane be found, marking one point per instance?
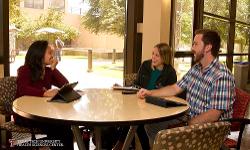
(243, 58)
(221, 27)
(220, 8)
(28, 3)
(223, 59)
(182, 65)
(183, 27)
(239, 59)
(38, 4)
(95, 56)
(58, 4)
(241, 44)
(243, 11)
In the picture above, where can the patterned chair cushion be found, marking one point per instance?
(11, 126)
(7, 93)
(7, 96)
(207, 136)
(239, 107)
(130, 78)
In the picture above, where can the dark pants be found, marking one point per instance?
(53, 131)
(141, 135)
(58, 54)
(109, 136)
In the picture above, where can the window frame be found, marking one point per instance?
(33, 4)
(198, 16)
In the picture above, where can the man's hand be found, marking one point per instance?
(53, 64)
(143, 92)
(50, 92)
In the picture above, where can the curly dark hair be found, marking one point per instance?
(34, 59)
(210, 37)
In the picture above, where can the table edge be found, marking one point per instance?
(95, 123)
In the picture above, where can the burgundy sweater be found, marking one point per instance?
(26, 87)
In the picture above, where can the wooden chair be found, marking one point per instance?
(129, 79)
(7, 96)
(238, 119)
(207, 136)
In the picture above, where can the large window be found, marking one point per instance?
(241, 41)
(230, 18)
(182, 31)
(38, 4)
(221, 26)
(218, 8)
(57, 4)
(243, 11)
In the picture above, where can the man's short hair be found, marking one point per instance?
(210, 37)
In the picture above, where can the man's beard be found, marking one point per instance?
(199, 56)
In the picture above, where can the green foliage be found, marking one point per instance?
(105, 16)
(53, 19)
(184, 21)
(243, 10)
(220, 26)
(15, 15)
(221, 8)
(28, 27)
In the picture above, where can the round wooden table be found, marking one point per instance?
(97, 107)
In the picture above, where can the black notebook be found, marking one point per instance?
(162, 102)
(66, 93)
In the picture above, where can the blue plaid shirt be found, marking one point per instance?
(211, 89)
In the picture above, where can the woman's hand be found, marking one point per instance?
(116, 84)
(50, 92)
(53, 64)
(143, 92)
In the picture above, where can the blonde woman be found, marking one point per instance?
(154, 73)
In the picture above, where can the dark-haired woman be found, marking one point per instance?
(35, 78)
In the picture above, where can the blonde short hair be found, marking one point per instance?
(165, 53)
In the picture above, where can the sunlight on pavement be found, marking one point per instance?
(76, 70)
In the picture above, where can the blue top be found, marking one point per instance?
(153, 78)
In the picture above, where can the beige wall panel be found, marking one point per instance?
(165, 20)
(156, 25)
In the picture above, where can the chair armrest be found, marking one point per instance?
(7, 117)
(240, 120)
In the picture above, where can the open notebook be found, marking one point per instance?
(128, 88)
(66, 93)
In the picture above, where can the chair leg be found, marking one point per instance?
(5, 139)
(33, 136)
(242, 127)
